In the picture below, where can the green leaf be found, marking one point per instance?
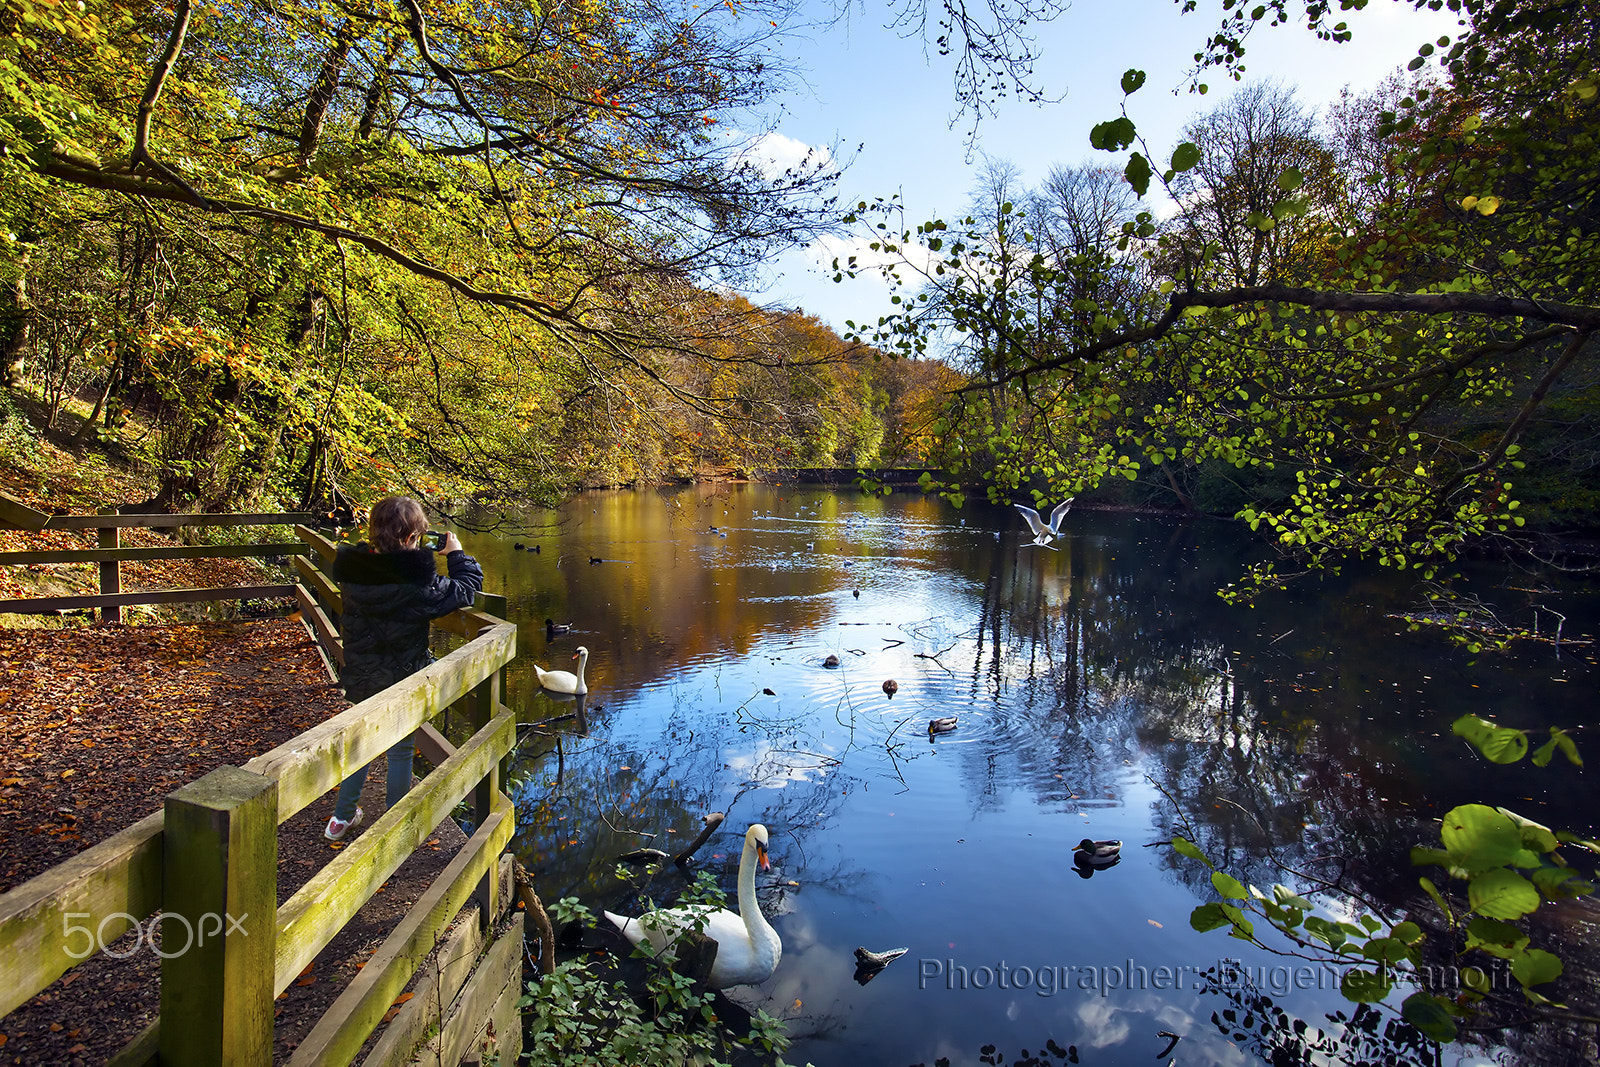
(1112, 136)
(1535, 836)
(1228, 885)
(1478, 837)
(1138, 173)
(1499, 743)
(1430, 1014)
(1185, 156)
(1560, 883)
(1568, 749)
(1365, 987)
(1328, 933)
(1495, 937)
(1289, 898)
(1574, 839)
(1131, 81)
(1185, 847)
(1502, 894)
(1433, 891)
(1208, 917)
(1291, 179)
(1242, 927)
(1536, 967)
(1386, 950)
(1422, 856)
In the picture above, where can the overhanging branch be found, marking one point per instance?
(1581, 317)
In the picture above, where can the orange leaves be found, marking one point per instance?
(389, 1015)
(101, 723)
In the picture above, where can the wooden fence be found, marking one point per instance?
(109, 524)
(208, 864)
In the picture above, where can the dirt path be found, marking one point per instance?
(97, 725)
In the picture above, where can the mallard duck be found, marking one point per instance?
(831, 661)
(890, 688)
(595, 560)
(1097, 853)
(1042, 534)
(519, 547)
(942, 726)
(748, 948)
(565, 681)
(553, 628)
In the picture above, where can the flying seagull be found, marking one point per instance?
(1042, 534)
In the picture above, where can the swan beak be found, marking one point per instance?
(761, 856)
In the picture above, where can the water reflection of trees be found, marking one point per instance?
(1257, 726)
(1258, 745)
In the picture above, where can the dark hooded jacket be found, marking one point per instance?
(389, 599)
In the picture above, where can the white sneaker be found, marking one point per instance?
(337, 829)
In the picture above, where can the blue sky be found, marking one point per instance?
(893, 97)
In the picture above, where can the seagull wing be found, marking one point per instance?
(1039, 529)
(1060, 513)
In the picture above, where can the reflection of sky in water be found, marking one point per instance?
(1094, 687)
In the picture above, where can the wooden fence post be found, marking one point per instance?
(484, 701)
(496, 604)
(110, 576)
(219, 920)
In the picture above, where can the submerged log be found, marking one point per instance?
(541, 920)
(712, 821)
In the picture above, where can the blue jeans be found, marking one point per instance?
(398, 783)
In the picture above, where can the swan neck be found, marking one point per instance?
(749, 910)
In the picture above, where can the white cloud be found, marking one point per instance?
(773, 153)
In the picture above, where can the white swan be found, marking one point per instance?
(565, 681)
(1042, 534)
(748, 949)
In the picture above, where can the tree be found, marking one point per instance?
(1392, 369)
(310, 186)
(1259, 146)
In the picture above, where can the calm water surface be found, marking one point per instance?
(1102, 691)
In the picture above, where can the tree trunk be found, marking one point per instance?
(378, 90)
(16, 320)
(322, 93)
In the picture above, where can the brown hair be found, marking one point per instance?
(394, 521)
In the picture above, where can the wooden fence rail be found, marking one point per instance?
(110, 555)
(208, 864)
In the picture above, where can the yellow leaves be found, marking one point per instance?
(1483, 205)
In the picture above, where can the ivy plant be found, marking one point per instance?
(583, 1014)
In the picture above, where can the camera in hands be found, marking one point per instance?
(433, 540)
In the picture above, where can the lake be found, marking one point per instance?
(1102, 690)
